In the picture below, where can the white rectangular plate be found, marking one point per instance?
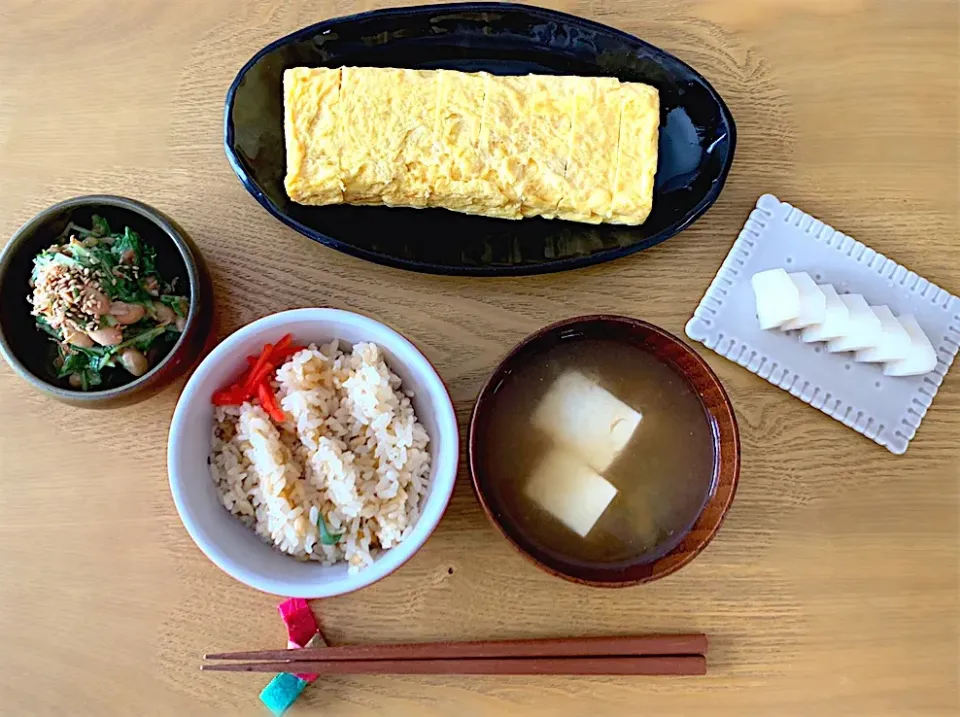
(885, 409)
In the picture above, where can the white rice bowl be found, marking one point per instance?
(350, 454)
(236, 548)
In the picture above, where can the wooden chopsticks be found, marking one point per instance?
(662, 665)
(618, 655)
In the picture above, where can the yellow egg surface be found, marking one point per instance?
(576, 148)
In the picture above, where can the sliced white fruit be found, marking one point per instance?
(813, 303)
(836, 316)
(862, 330)
(894, 343)
(586, 419)
(922, 357)
(778, 298)
(570, 491)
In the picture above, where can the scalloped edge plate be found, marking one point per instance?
(885, 409)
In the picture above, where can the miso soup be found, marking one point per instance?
(663, 473)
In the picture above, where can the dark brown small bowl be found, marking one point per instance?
(716, 405)
(26, 348)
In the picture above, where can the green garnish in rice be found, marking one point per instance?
(99, 296)
(344, 452)
(325, 537)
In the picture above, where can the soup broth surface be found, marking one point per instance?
(663, 475)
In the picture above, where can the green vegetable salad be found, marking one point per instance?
(99, 296)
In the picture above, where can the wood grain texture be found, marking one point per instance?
(832, 587)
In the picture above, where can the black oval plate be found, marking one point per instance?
(697, 134)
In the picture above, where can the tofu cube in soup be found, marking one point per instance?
(778, 298)
(813, 302)
(584, 418)
(862, 330)
(835, 318)
(570, 490)
(922, 357)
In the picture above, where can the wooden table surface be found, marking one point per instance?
(832, 588)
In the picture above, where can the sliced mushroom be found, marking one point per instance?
(95, 300)
(107, 336)
(75, 380)
(163, 313)
(134, 361)
(126, 313)
(75, 337)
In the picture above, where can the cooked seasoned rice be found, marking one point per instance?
(351, 453)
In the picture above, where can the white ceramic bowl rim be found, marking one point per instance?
(405, 360)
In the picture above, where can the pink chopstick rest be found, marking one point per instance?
(299, 619)
(302, 628)
(315, 641)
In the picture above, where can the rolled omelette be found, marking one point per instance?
(576, 148)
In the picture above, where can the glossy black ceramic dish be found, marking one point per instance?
(697, 134)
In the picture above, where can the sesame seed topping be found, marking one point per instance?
(64, 292)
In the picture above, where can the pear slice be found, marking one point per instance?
(922, 358)
(894, 344)
(862, 330)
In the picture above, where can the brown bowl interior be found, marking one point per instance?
(716, 405)
(29, 351)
